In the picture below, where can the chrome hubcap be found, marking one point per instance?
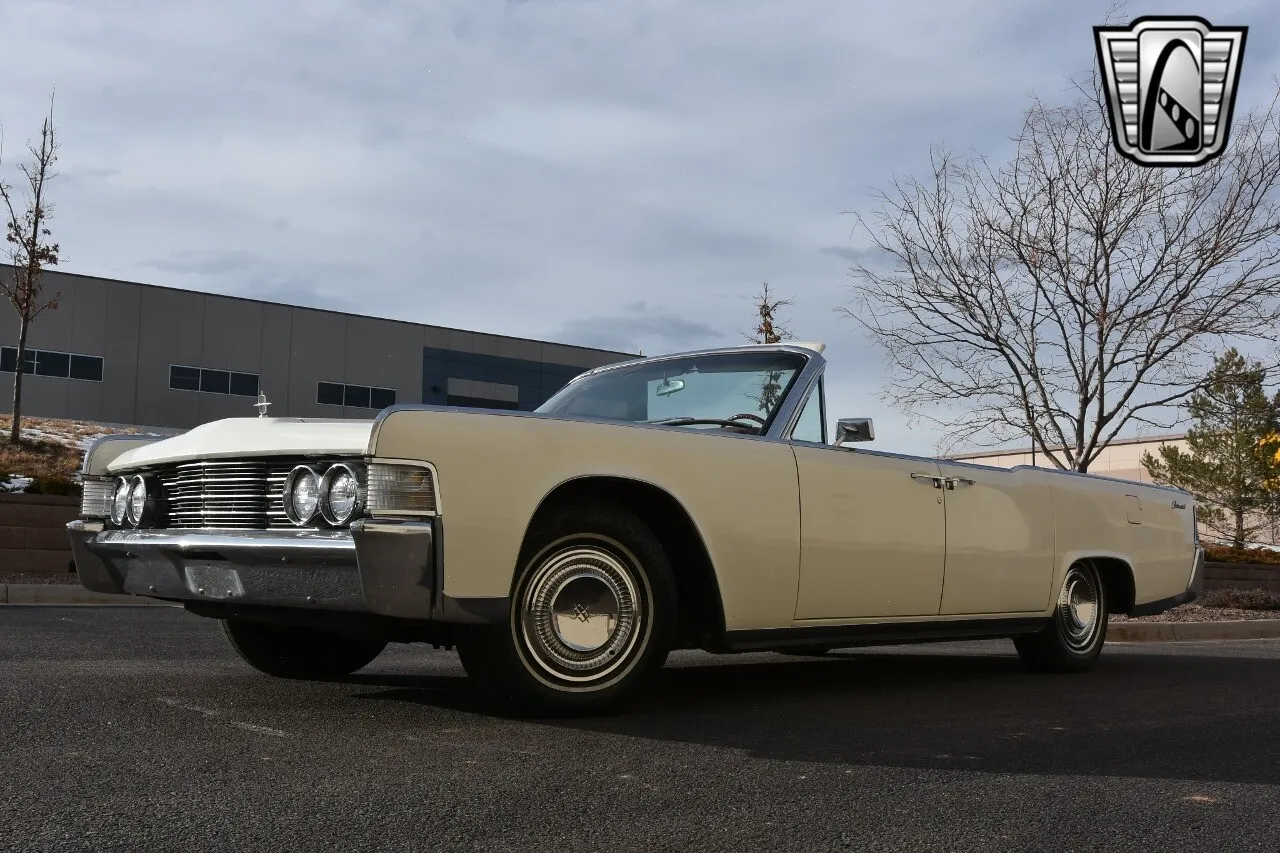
(581, 613)
(1078, 610)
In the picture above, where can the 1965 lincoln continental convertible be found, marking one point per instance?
(683, 501)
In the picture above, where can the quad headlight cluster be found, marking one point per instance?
(130, 502)
(335, 494)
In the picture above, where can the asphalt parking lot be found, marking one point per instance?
(137, 729)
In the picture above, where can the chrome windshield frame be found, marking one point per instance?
(788, 410)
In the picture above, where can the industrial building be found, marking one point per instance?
(121, 352)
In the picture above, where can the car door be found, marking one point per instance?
(1000, 540)
(872, 534)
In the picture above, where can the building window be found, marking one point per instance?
(185, 378)
(329, 393)
(215, 381)
(62, 365)
(244, 384)
(355, 396)
(479, 402)
(86, 367)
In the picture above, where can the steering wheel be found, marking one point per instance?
(746, 417)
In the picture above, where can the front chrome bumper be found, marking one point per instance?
(388, 568)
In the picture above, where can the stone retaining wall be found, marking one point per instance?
(1242, 576)
(33, 532)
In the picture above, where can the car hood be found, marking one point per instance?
(253, 437)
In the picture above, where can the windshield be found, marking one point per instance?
(740, 391)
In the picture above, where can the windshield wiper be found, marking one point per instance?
(687, 421)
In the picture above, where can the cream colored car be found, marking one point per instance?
(684, 501)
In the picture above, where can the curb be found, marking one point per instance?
(52, 593)
(1155, 632)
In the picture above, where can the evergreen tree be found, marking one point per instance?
(1228, 466)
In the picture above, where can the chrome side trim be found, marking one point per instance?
(1064, 472)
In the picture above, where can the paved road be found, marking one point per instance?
(135, 729)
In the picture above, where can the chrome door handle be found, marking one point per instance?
(952, 482)
(934, 478)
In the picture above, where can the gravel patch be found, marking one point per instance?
(1196, 613)
(39, 577)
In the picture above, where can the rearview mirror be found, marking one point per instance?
(854, 429)
(667, 387)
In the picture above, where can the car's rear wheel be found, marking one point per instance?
(1074, 637)
(288, 651)
(592, 616)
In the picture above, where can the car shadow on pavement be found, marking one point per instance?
(1134, 714)
(1154, 715)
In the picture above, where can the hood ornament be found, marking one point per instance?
(261, 405)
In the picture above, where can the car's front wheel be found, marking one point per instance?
(1073, 639)
(287, 651)
(592, 616)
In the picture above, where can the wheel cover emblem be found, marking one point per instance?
(581, 613)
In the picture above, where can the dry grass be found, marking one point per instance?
(51, 448)
(39, 458)
(60, 429)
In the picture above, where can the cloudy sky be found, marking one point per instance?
(614, 173)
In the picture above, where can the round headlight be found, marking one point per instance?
(339, 494)
(120, 501)
(301, 495)
(137, 500)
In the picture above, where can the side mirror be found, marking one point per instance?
(854, 429)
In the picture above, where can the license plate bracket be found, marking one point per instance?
(213, 580)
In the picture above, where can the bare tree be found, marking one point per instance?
(30, 251)
(769, 330)
(1068, 293)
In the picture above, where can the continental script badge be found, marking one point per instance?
(1170, 85)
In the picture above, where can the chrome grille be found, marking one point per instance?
(242, 494)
